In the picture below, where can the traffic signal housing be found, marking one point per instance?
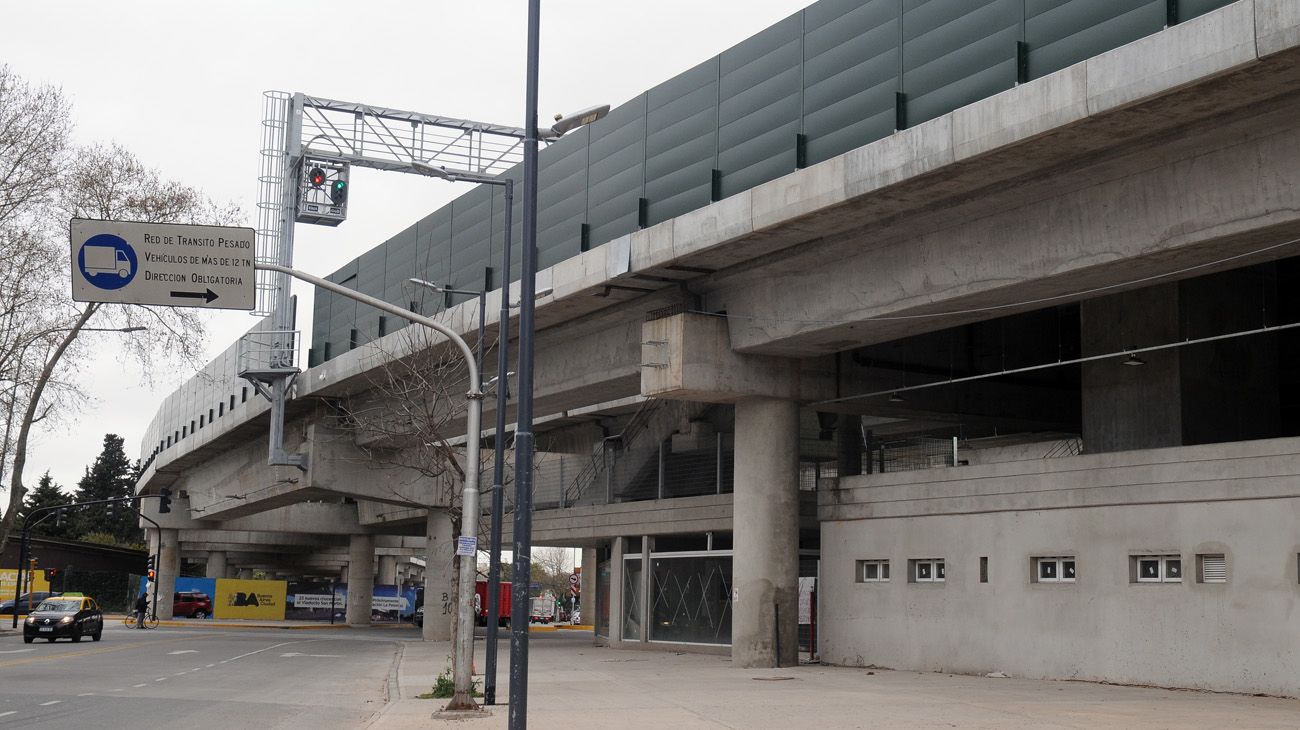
(164, 500)
(322, 191)
(152, 569)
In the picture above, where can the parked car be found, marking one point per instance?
(32, 599)
(192, 604)
(70, 616)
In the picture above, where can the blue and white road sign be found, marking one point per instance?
(123, 262)
(107, 261)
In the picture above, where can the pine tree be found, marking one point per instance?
(47, 494)
(111, 476)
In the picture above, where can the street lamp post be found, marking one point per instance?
(464, 640)
(523, 527)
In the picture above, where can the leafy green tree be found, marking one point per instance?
(111, 476)
(47, 494)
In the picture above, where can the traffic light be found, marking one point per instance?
(60, 516)
(316, 177)
(51, 574)
(152, 570)
(164, 500)
(108, 510)
(339, 192)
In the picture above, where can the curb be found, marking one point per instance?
(576, 627)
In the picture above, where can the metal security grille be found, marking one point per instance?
(1214, 569)
(910, 454)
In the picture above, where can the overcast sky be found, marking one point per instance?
(180, 85)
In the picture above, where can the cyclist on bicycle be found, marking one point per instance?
(141, 609)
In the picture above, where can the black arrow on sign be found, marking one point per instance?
(206, 296)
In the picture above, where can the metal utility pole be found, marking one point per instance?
(523, 527)
(467, 547)
(498, 467)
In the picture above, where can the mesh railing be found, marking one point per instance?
(910, 454)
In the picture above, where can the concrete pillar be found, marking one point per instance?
(216, 567)
(616, 592)
(588, 586)
(765, 569)
(1127, 407)
(361, 579)
(848, 444)
(245, 573)
(169, 566)
(387, 570)
(439, 575)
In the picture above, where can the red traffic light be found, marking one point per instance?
(316, 177)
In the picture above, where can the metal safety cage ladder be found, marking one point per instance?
(276, 108)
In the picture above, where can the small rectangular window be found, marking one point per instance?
(1158, 568)
(1212, 568)
(232, 401)
(984, 570)
(1057, 569)
(184, 431)
(927, 570)
(200, 421)
(221, 409)
(243, 394)
(209, 415)
(873, 571)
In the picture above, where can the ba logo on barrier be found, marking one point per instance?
(107, 261)
(244, 599)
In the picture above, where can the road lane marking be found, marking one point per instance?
(106, 650)
(7, 714)
(142, 684)
(211, 666)
(314, 656)
(268, 648)
(16, 651)
(86, 694)
(183, 651)
(51, 702)
(161, 679)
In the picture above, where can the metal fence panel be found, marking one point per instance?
(760, 86)
(561, 200)
(1061, 33)
(850, 76)
(681, 142)
(616, 171)
(956, 52)
(471, 238)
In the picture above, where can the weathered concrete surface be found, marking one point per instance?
(765, 566)
(698, 692)
(361, 579)
(439, 576)
(1238, 499)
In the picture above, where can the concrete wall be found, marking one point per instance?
(1238, 499)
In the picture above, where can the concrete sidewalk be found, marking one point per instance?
(576, 685)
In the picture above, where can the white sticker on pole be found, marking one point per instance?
(466, 545)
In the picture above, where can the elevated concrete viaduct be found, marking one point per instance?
(703, 386)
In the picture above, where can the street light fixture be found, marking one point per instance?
(482, 309)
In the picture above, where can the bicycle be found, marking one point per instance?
(150, 622)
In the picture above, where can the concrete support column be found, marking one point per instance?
(616, 592)
(361, 579)
(588, 586)
(848, 445)
(387, 570)
(765, 569)
(169, 566)
(439, 575)
(216, 567)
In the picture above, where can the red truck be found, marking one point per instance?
(481, 604)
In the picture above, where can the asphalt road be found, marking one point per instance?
(196, 678)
